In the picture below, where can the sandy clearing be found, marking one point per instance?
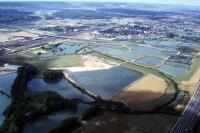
(146, 89)
(4, 38)
(23, 34)
(191, 85)
(17, 36)
(92, 63)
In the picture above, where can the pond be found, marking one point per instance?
(148, 51)
(6, 82)
(62, 49)
(131, 56)
(101, 49)
(152, 42)
(133, 51)
(106, 82)
(45, 123)
(168, 53)
(65, 49)
(63, 87)
(169, 44)
(150, 61)
(4, 103)
(173, 70)
(119, 53)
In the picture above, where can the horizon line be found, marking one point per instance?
(79, 1)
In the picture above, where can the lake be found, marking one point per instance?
(63, 87)
(150, 61)
(6, 82)
(173, 70)
(106, 82)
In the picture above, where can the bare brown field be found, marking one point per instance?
(147, 89)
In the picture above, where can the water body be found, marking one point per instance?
(150, 61)
(4, 102)
(147, 51)
(173, 70)
(131, 56)
(168, 44)
(131, 52)
(6, 82)
(119, 53)
(108, 82)
(63, 87)
(170, 53)
(152, 42)
(62, 49)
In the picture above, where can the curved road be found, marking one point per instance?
(189, 114)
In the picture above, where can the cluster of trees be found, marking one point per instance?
(14, 16)
(28, 106)
(24, 74)
(53, 76)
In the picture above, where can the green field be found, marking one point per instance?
(44, 63)
(38, 50)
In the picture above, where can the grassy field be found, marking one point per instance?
(38, 50)
(170, 92)
(43, 63)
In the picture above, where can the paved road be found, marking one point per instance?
(189, 114)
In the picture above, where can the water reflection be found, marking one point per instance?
(5, 84)
(108, 82)
(63, 87)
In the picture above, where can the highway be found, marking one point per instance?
(189, 115)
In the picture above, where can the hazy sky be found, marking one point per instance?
(183, 2)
